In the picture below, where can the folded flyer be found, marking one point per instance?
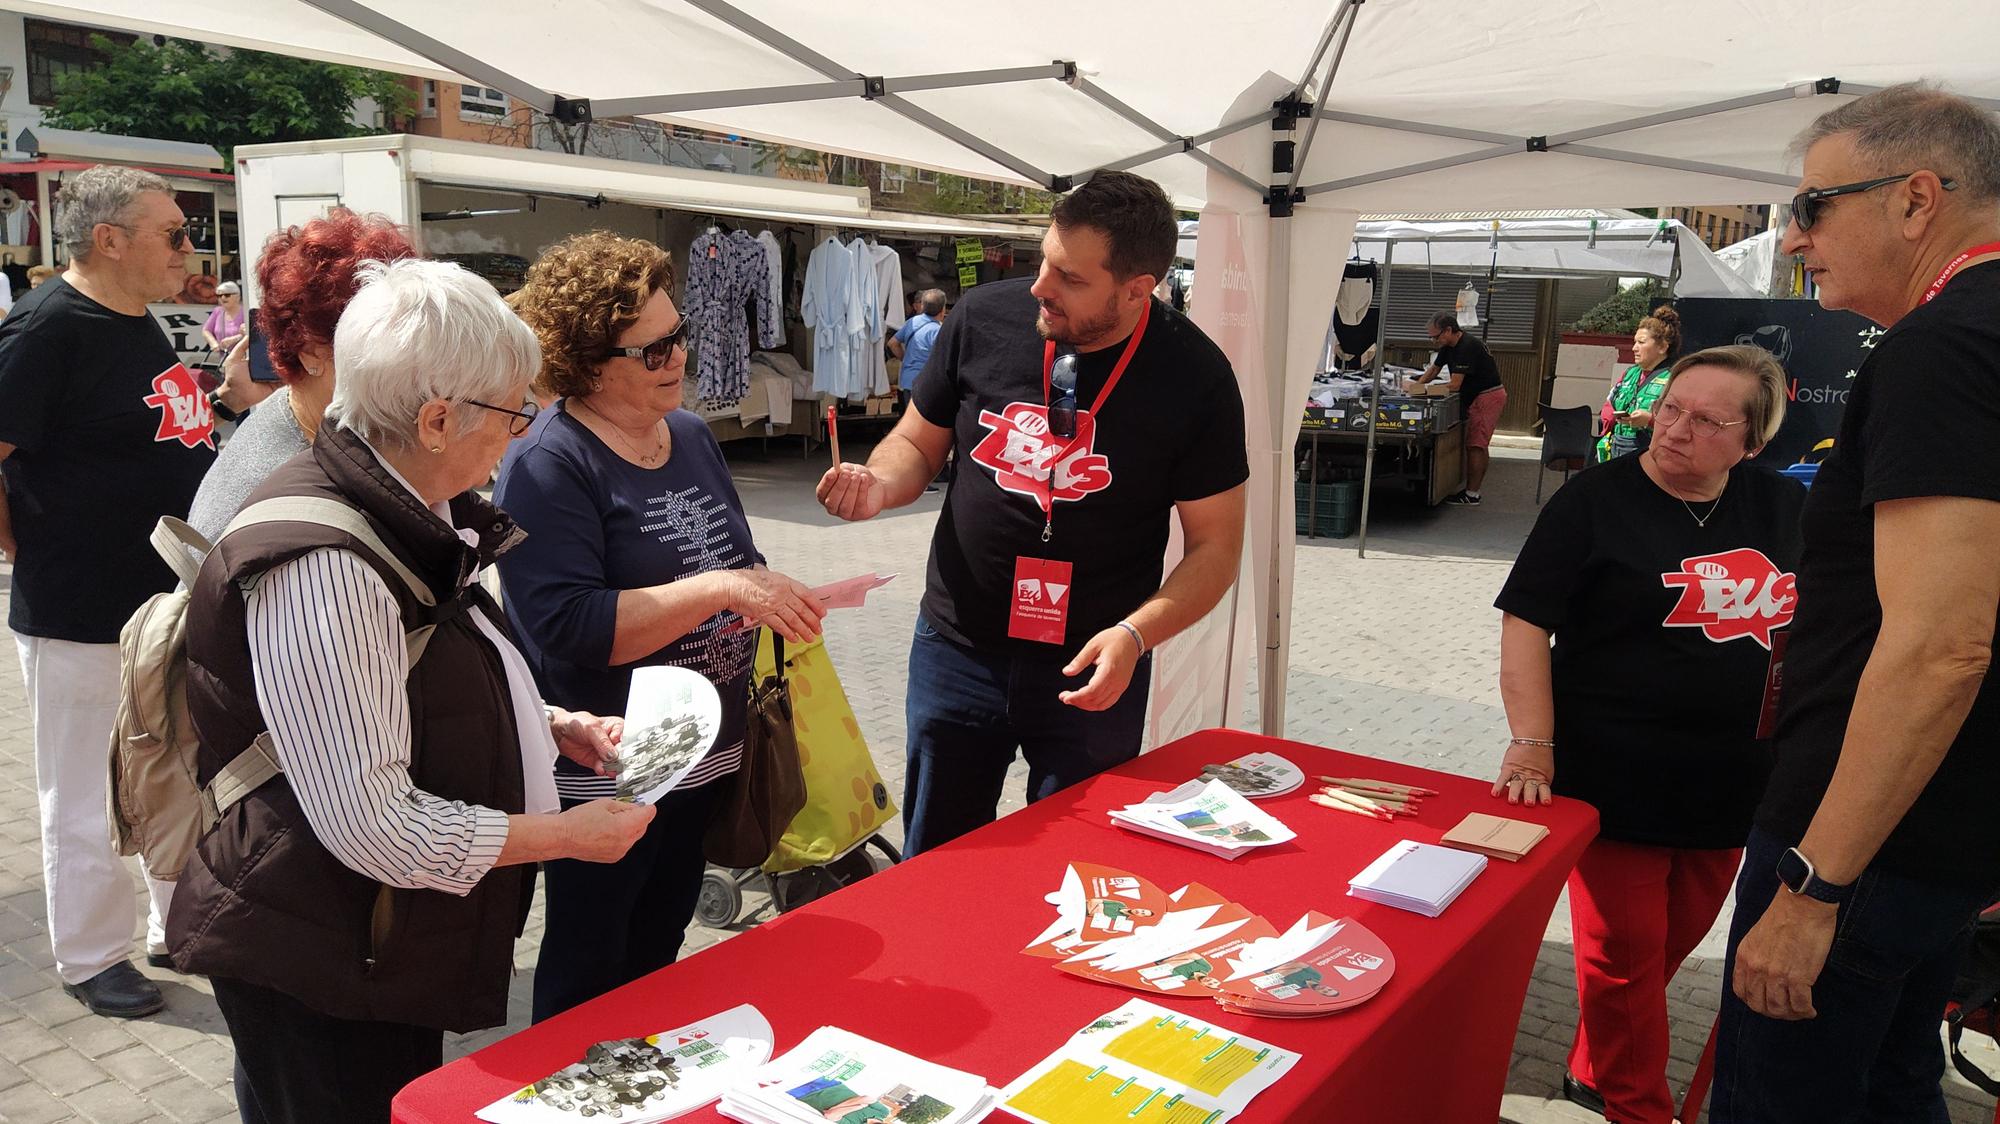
(1196, 944)
(1096, 904)
(672, 715)
(641, 1080)
(835, 1075)
(1143, 1062)
(1206, 815)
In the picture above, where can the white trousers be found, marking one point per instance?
(92, 910)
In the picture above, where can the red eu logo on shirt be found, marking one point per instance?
(184, 412)
(1733, 594)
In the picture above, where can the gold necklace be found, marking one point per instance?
(646, 460)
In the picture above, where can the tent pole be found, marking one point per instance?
(1229, 170)
(1678, 165)
(1439, 164)
(1395, 125)
(1326, 84)
(798, 52)
(1105, 98)
(824, 91)
(1706, 109)
(1284, 501)
(1344, 12)
(443, 54)
(1178, 144)
(1375, 404)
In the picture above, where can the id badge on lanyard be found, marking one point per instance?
(1042, 591)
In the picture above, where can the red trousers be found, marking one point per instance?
(1636, 912)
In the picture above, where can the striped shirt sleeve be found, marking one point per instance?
(326, 643)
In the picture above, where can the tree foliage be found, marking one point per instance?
(1620, 313)
(186, 91)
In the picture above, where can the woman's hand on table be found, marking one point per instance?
(585, 738)
(601, 831)
(765, 597)
(1527, 775)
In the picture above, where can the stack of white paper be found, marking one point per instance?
(839, 1076)
(1207, 816)
(643, 1080)
(1418, 877)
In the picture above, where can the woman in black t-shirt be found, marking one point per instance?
(1641, 622)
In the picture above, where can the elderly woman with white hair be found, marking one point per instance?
(365, 900)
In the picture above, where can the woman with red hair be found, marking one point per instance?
(305, 277)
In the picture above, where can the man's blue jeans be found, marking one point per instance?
(1872, 1052)
(968, 711)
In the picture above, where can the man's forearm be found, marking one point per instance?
(1914, 696)
(6, 526)
(1195, 587)
(902, 468)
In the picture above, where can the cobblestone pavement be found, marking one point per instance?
(1394, 655)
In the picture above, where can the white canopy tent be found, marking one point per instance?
(1556, 248)
(1290, 120)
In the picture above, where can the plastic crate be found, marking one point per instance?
(1338, 510)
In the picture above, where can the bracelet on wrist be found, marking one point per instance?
(1545, 743)
(1138, 639)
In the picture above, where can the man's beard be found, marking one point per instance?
(1081, 332)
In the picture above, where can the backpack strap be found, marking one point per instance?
(172, 539)
(258, 762)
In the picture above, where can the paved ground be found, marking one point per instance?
(1394, 655)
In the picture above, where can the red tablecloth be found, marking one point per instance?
(926, 957)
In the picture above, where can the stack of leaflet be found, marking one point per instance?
(643, 1080)
(1259, 776)
(1419, 877)
(1207, 816)
(836, 1075)
(1143, 1062)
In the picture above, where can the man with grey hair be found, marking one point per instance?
(102, 431)
(1877, 824)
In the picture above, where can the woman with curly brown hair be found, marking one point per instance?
(638, 553)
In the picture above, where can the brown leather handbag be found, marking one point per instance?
(768, 789)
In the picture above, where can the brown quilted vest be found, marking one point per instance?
(261, 900)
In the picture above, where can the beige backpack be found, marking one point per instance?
(159, 810)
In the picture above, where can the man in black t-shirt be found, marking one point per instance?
(102, 431)
(1475, 376)
(1084, 413)
(1874, 845)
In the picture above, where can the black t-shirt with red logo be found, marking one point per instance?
(110, 433)
(1171, 431)
(1663, 637)
(1923, 420)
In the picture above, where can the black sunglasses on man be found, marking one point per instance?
(1807, 205)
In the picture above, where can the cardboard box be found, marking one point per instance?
(1567, 392)
(1324, 417)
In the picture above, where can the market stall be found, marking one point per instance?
(871, 957)
(745, 249)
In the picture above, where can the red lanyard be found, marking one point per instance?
(1938, 285)
(1103, 395)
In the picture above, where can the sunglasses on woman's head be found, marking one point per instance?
(654, 355)
(1062, 409)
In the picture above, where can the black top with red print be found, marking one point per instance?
(1172, 430)
(1923, 420)
(110, 432)
(1663, 637)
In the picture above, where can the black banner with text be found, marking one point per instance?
(1821, 352)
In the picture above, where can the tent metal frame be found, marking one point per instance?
(1280, 194)
(844, 82)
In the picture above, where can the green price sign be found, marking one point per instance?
(970, 252)
(968, 276)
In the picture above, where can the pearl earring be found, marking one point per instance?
(437, 448)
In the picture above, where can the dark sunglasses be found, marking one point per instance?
(1807, 205)
(520, 419)
(654, 355)
(177, 236)
(1062, 411)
